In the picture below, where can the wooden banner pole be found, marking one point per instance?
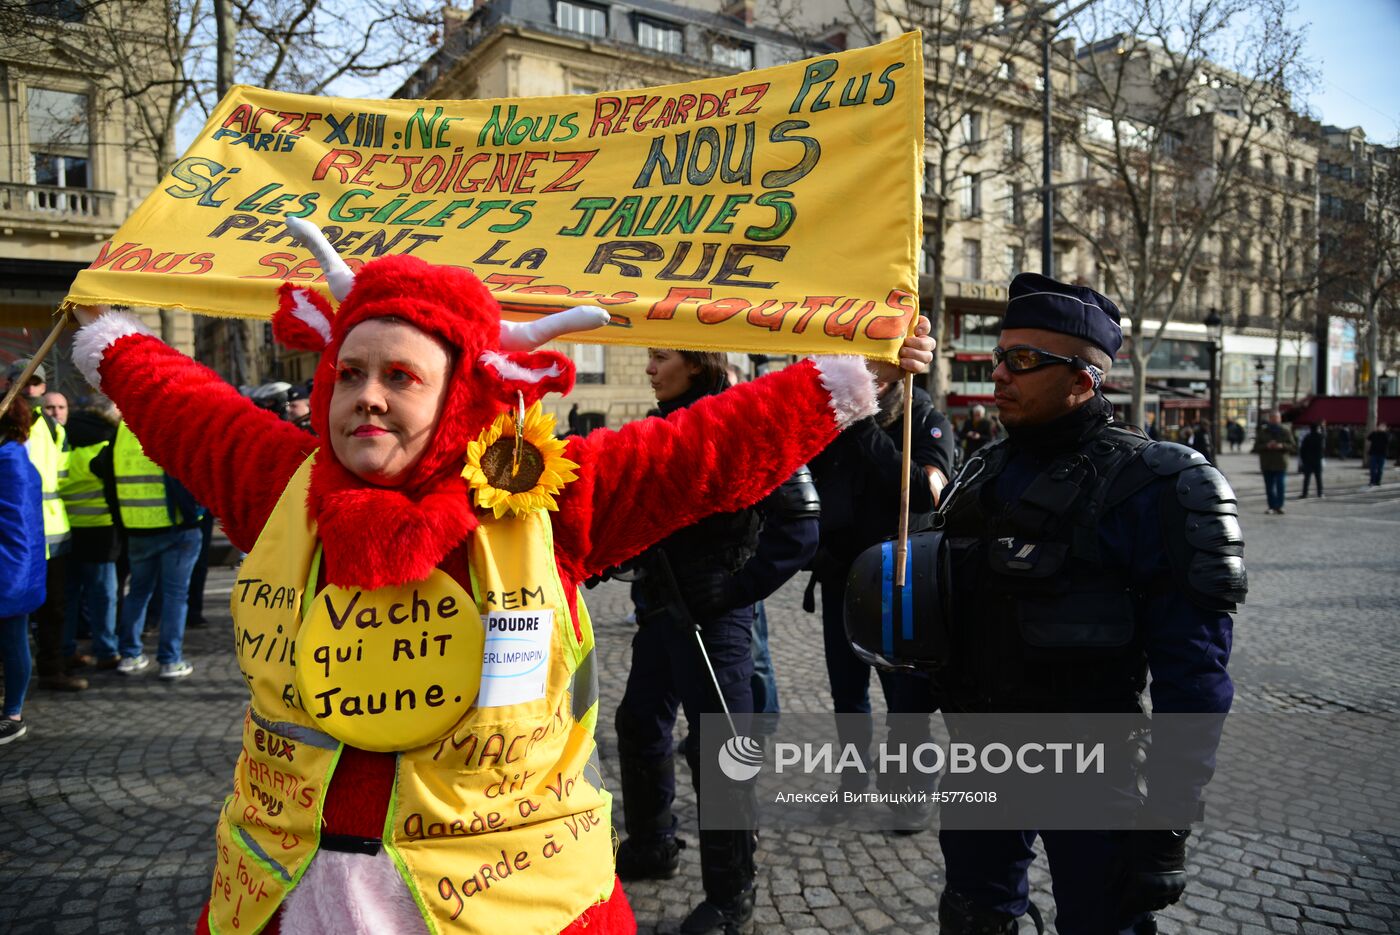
(901, 550)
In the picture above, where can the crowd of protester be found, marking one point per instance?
(98, 545)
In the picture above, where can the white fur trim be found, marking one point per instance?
(508, 369)
(312, 316)
(93, 340)
(850, 385)
(353, 894)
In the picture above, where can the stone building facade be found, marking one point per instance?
(72, 169)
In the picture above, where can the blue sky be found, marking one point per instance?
(1355, 47)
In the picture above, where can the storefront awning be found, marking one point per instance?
(1342, 410)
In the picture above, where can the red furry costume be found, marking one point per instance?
(730, 450)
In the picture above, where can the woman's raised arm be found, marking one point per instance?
(234, 457)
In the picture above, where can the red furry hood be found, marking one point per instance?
(451, 305)
(374, 536)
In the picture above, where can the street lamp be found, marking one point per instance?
(1259, 398)
(1215, 327)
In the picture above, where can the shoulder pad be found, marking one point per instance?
(1168, 458)
(797, 497)
(1203, 537)
(1203, 489)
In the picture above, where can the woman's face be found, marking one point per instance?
(670, 373)
(391, 381)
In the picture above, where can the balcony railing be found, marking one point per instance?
(52, 201)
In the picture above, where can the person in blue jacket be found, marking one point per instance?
(22, 563)
(1084, 556)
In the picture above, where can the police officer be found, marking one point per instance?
(707, 576)
(298, 410)
(1083, 557)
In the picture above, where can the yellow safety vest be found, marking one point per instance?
(51, 461)
(501, 816)
(140, 484)
(81, 491)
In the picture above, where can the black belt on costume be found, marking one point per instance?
(351, 844)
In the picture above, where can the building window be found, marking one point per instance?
(58, 145)
(1244, 303)
(971, 125)
(736, 55)
(659, 36)
(588, 363)
(972, 259)
(1015, 261)
(68, 11)
(972, 195)
(1015, 134)
(1016, 210)
(581, 17)
(927, 255)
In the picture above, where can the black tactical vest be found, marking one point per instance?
(1042, 620)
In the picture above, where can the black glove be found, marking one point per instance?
(1156, 871)
(709, 596)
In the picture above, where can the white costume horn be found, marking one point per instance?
(528, 335)
(338, 276)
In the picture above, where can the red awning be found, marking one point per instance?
(1343, 410)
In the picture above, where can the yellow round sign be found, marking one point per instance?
(390, 669)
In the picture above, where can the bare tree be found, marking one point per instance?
(1363, 269)
(159, 61)
(1288, 275)
(1175, 96)
(981, 64)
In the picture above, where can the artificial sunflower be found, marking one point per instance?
(507, 479)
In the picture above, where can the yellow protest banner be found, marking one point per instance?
(772, 211)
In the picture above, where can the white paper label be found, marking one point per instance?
(515, 659)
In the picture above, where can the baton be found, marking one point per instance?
(661, 567)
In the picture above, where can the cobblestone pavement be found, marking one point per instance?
(108, 806)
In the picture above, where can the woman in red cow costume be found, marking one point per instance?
(418, 751)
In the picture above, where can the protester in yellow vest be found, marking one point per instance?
(48, 450)
(92, 570)
(418, 754)
(161, 521)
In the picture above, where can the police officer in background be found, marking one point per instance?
(1084, 556)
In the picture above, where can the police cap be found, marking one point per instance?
(1035, 301)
